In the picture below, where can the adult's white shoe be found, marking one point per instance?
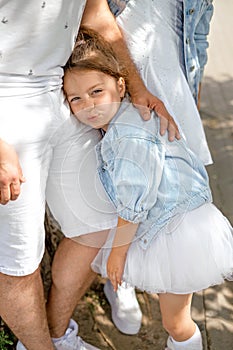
(70, 341)
(126, 312)
(20, 346)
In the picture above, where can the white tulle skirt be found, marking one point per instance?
(190, 254)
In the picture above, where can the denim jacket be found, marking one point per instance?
(197, 16)
(149, 179)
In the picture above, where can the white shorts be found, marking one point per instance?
(58, 159)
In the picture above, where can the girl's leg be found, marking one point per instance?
(176, 316)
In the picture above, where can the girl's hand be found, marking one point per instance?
(145, 102)
(115, 266)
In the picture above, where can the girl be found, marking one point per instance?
(170, 238)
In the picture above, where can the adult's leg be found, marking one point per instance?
(22, 304)
(71, 276)
(176, 315)
(23, 309)
(77, 200)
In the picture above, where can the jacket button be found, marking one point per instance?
(191, 11)
(145, 241)
(192, 68)
(187, 41)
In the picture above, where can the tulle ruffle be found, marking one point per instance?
(193, 252)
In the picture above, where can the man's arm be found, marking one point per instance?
(98, 16)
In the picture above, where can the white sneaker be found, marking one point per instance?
(169, 344)
(126, 312)
(193, 343)
(20, 346)
(71, 341)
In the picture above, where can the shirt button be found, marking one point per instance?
(145, 241)
(191, 11)
(191, 69)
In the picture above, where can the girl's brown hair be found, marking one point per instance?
(93, 52)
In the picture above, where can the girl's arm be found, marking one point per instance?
(116, 261)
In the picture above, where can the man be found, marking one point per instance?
(40, 146)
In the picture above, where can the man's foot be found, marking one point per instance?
(71, 340)
(20, 346)
(126, 312)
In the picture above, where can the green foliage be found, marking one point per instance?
(7, 339)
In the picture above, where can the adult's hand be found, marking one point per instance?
(146, 102)
(11, 175)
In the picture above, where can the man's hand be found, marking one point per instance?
(146, 102)
(11, 175)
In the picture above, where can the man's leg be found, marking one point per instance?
(71, 276)
(22, 307)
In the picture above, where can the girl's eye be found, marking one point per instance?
(74, 99)
(97, 91)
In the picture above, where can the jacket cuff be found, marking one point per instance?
(131, 216)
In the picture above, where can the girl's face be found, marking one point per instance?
(94, 97)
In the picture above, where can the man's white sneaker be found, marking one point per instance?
(126, 312)
(20, 346)
(71, 341)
